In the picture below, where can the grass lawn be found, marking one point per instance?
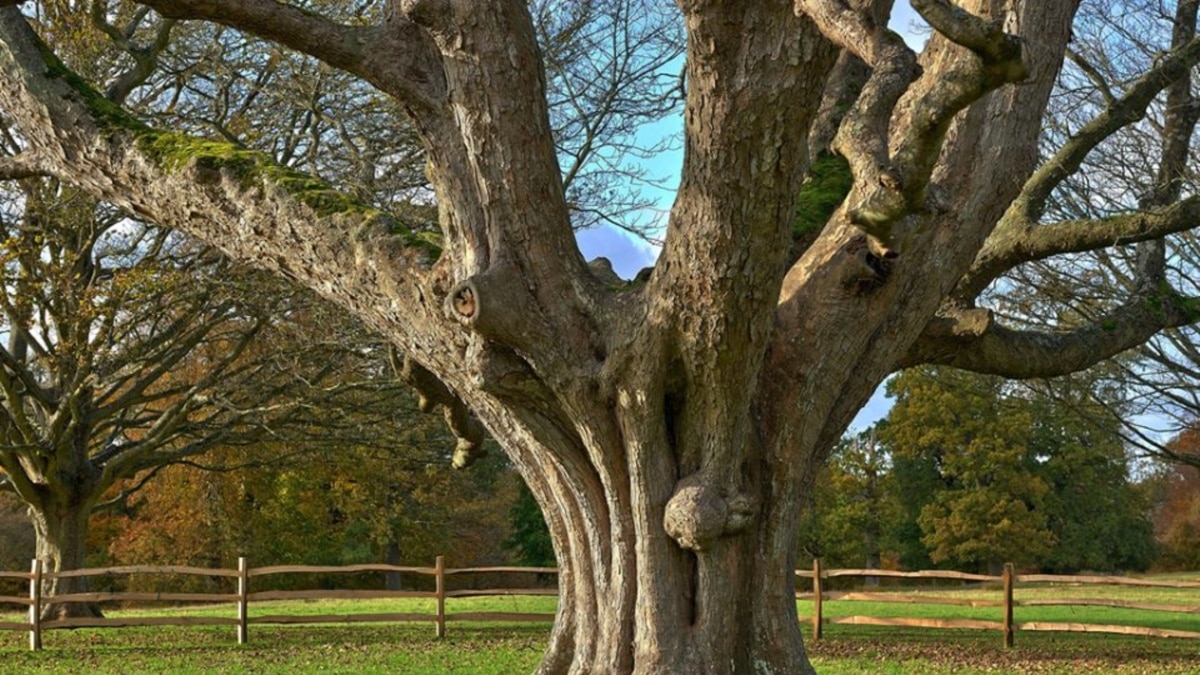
(504, 648)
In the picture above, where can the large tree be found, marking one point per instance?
(669, 430)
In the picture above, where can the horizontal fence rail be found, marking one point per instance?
(1008, 582)
(242, 597)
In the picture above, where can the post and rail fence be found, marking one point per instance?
(244, 596)
(1007, 581)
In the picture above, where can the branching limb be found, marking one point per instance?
(972, 340)
(996, 58)
(862, 137)
(1126, 110)
(893, 157)
(1020, 238)
(398, 56)
(1008, 244)
(145, 57)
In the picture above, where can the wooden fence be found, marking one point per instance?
(244, 596)
(1005, 602)
(244, 575)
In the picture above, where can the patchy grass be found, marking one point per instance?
(504, 648)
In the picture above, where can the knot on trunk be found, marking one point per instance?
(494, 303)
(701, 511)
(868, 266)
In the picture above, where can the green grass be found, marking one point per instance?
(503, 648)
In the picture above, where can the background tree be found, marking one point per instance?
(530, 538)
(988, 506)
(670, 431)
(348, 505)
(855, 513)
(130, 349)
(991, 472)
(1177, 513)
(1099, 515)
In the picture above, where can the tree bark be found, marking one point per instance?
(61, 528)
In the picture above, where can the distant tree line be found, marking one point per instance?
(969, 472)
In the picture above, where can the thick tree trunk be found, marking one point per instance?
(669, 432)
(61, 532)
(633, 601)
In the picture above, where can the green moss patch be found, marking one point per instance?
(829, 181)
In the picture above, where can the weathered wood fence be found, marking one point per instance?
(244, 596)
(1005, 602)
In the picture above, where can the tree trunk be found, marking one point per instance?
(632, 600)
(62, 545)
(391, 552)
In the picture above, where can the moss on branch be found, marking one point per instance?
(173, 152)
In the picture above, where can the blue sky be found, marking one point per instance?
(630, 254)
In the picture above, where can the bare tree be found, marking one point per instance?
(668, 430)
(130, 349)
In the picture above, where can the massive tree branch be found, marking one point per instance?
(240, 200)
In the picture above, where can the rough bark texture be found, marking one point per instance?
(669, 431)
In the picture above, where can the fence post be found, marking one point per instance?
(1009, 578)
(440, 570)
(243, 593)
(35, 605)
(817, 619)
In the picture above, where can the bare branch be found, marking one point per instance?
(972, 340)
(398, 56)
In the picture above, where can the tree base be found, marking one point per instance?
(71, 610)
